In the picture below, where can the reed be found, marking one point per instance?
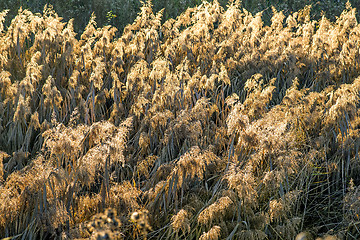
(212, 125)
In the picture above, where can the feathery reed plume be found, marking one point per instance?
(211, 125)
(215, 211)
(212, 234)
(180, 221)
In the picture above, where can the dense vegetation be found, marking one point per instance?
(120, 13)
(212, 125)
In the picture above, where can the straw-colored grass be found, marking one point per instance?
(212, 125)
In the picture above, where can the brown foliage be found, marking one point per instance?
(212, 125)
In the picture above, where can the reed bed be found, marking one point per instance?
(212, 125)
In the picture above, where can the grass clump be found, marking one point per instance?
(212, 125)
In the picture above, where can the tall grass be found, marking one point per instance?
(212, 125)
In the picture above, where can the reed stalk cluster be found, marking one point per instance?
(212, 125)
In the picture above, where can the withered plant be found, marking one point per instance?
(212, 125)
